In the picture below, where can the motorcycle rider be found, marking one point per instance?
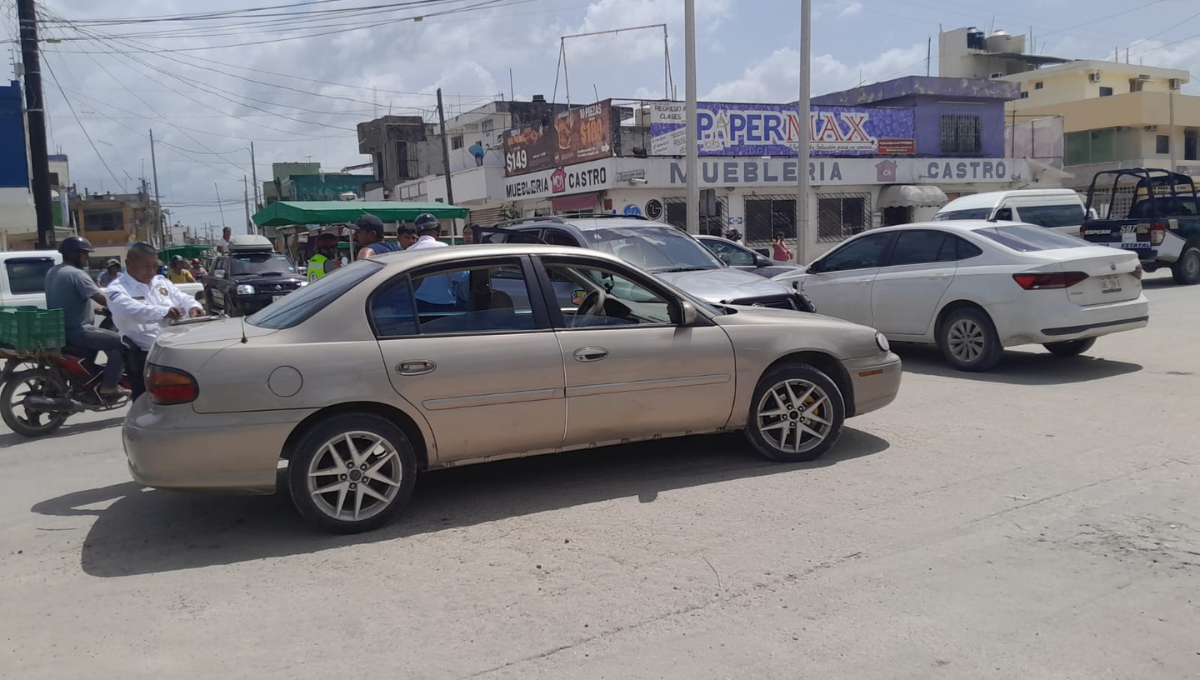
(142, 303)
(69, 288)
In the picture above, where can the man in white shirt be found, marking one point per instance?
(142, 303)
(224, 243)
(428, 228)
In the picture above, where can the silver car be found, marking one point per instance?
(449, 356)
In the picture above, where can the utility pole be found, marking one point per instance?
(254, 176)
(162, 236)
(35, 112)
(445, 150)
(246, 200)
(693, 151)
(805, 241)
(218, 189)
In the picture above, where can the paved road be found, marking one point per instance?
(1040, 521)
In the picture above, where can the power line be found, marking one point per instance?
(81, 127)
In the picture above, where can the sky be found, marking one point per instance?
(297, 78)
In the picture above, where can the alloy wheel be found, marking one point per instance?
(795, 416)
(355, 476)
(967, 340)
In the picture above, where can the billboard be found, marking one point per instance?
(773, 130)
(579, 135)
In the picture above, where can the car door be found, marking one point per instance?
(486, 372)
(631, 371)
(218, 279)
(912, 281)
(840, 283)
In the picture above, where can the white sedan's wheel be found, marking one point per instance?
(352, 473)
(968, 340)
(797, 413)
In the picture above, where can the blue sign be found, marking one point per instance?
(632, 209)
(774, 130)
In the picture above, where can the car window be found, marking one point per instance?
(296, 307)
(737, 256)
(556, 237)
(971, 214)
(601, 297)
(261, 263)
(955, 248)
(865, 253)
(484, 299)
(919, 246)
(1003, 215)
(28, 274)
(1029, 239)
(655, 249)
(1051, 215)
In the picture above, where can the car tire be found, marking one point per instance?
(1186, 269)
(783, 430)
(364, 488)
(1070, 348)
(968, 340)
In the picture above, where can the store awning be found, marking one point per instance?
(915, 195)
(286, 213)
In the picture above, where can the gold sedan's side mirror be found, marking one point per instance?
(687, 313)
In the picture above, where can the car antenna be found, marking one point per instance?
(244, 340)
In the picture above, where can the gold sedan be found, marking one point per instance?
(449, 356)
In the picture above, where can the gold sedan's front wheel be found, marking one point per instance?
(797, 413)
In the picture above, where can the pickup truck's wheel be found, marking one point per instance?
(1070, 348)
(796, 414)
(351, 473)
(968, 340)
(1186, 269)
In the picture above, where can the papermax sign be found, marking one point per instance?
(774, 130)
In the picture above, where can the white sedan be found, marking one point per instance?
(976, 287)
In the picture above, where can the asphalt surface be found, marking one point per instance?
(1039, 521)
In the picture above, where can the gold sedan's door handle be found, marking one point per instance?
(415, 367)
(587, 354)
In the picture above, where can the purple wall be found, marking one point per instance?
(931, 98)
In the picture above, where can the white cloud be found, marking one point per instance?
(777, 77)
(851, 10)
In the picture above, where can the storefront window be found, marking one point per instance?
(676, 216)
(842, 216)
(768, 215)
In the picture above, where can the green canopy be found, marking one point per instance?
(286, 213)
(187, 252)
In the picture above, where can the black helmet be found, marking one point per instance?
(176, 258)
(75, 244)
(426, 222)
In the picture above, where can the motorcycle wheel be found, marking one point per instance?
(28, 422)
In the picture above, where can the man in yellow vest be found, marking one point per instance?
(325, 258)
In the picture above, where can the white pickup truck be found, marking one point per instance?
(23, 278)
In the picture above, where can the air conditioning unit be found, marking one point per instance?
(1094, 77)
(1175, 83)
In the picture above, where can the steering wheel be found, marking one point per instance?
(593, 304)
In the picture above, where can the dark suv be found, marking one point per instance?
(244, 282)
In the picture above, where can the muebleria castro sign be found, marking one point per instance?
(756, 172)
(563, 181)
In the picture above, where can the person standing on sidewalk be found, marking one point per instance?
(779, 248)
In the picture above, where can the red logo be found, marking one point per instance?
(558, 181)
(885, 171)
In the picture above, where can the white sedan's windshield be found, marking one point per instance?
(655, 249)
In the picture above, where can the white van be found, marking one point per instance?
(1058, 209)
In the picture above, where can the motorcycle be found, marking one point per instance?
(42, 389)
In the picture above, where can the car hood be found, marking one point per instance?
(217, 331)
(719, 285)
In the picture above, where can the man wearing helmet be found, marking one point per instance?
(69, 288)
(428, 228)
(325, 257)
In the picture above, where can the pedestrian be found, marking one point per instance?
(780, 249)
(225, 242)
(69, 288)
(179, 272)
(469, 235)
(406, 236)
(325, 257)
(429, 229)
(437, 292)
(368, 235)
(112, 269)
(143, 303)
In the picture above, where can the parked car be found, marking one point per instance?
(359, 383)
(1058, 209)
(1161, 224)
(975, 287)
(249, 278)
(668, 253)
(740, 257)
(23, 277)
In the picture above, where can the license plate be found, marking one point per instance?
(1129, 237)
(1110, 284)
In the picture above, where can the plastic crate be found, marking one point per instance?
(28, 329)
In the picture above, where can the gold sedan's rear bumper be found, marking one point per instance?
(173, 447)
(876, 381)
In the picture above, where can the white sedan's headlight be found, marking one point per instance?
(245, 289)
(882, 341)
